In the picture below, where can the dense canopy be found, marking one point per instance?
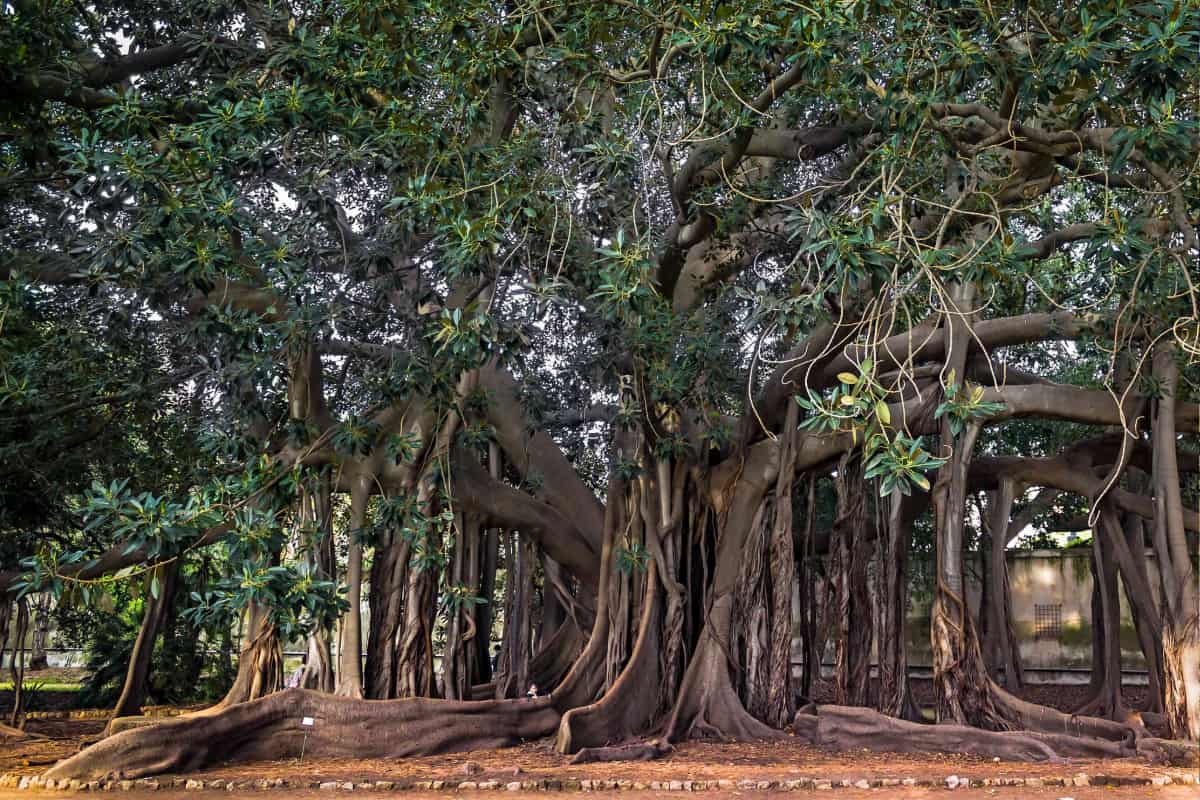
(598, 327)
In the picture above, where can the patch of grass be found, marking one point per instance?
(46, 687)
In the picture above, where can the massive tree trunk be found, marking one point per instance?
(133, 693)
(961, 682)
(707, 704)
(632, 702)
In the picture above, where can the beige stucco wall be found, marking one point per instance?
(1036, 577)
(1049, 578)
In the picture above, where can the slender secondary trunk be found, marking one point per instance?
(854, 600)
(389, 582)
(1129, 547)
(1005, 656)
(960, 679)
(317, 511)
(1106, 700)
(41, 632)
(512, 679)
(483, 611)
(260, 663)
(133, 693)
(780, 702)
(349, 677)
(458, 655)
(750, 615)
(674, 506)
(806, 576)
(16, 665)
(1181, 599)
(6, 615)
(553, 614)
(895, 699)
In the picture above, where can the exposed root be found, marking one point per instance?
(846, 728)
(119, 724)
(1043, 719)
(638, 751)
(1169, 752)
(17, 733)
(273, 728)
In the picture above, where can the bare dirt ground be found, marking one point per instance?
(782, 760)
(1010, 793)
(759, 761)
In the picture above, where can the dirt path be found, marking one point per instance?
(785, 760)
(1009, 793)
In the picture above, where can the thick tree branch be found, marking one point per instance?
(503, 506)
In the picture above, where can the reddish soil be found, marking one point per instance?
(1064, 697)
(782, 760)
(63, 737)
(1009, 793)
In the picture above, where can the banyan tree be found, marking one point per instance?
(636, 337)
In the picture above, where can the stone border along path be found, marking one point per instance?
(553, 785)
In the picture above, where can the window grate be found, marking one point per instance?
(1047, 621)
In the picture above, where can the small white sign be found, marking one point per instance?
(307, 722)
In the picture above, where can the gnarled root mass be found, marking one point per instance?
(629, 705)
(850, 728)
(273, 727)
